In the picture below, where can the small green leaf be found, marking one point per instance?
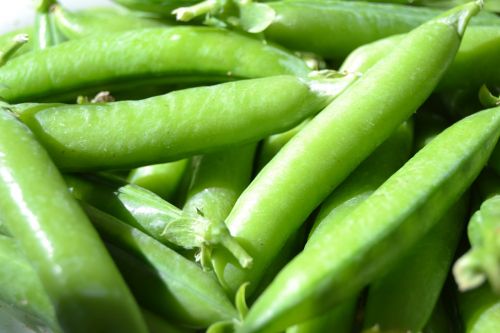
(240, 300)
(256, 17)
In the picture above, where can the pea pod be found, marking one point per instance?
(21, 290)
(480, 310)
(324, 147)
(350, 254)
(403, 299)
(78, 136)
(333, 29)
(194, 296)
(74, 25)
(160, 7)
(162, 179)
(477, 58)
(80, 278)
(135, 58)
(482, 261)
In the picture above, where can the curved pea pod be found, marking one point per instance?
(83, 284)
(333, 29)
(194, 296)
(276, 203)
(351, 254)
(162, 179)
(111, 136)
(217, 181)
(480, 310)
(21, 291)
(74, 25)
(135, 58)
(477, 58)
(403, 299)
(482, 261)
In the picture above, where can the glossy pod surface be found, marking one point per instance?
(160, 55)
(173, 126)
(83, 284)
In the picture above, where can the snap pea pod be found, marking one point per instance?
(324, 147)
(351, 193)
(480, 310)
(160, 7)
(353, 253)
(83, 284)
(170, 127)
(80, 24)
(21, 289)
(194, 296)
(333, 29)
(162, 179)
(482, 261)
(477, 58)
(157, 55)
(158, 218)
(491, 5)
(403, 299)
(217, 181)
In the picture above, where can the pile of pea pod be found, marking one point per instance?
(239, 166)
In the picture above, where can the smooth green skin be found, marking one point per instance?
(84, 286)
(492, 5)
(80, 24)
(333, 29)
(477, 58)
(194, 298)
(480, 311)
(170, 127)
(321, 154)
(340, 319)
(21, 290)
(349, 255)
(273, 144)
(379, 166)
(160, 7)
(403, 299)
(156, 55)
(162, 179)
(218, 180)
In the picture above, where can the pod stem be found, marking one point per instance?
(15, 44)
(186, 14)
(487, 98)
(228, 242)
(460, 15)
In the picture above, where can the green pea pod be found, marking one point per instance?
(333, 29)
(324, 147)
(351, 254)
(74, 25)
(353, 191)
(482, 261)
(21, 290)
(477, 58)
(217, 182)
(84, 286)
(195, 297)
(178, 124)
(162, 179)
(160, 7)
(403, 299)
(480, 310)
(109, 62)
